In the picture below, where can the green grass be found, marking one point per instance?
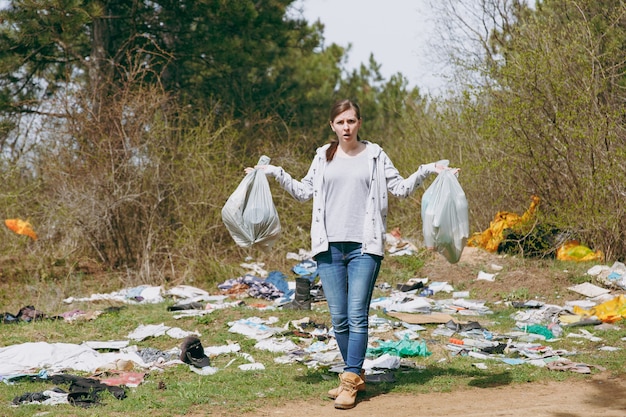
(232, 392)
(518, 294)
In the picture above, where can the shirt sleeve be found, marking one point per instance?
(300, 190)
(404, 187)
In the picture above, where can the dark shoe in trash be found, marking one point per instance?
(317, 292)
(410, 287)
(498, 350)
(114, 309)
(189, 306)
(527, 304)
(9, 318)
(298, 305)
(29, 313)
(302, 300)
(192, 352)
(460, 327)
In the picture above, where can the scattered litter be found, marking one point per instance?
(141, 294)
(496, 267)
(21, 227)
(437, 286)
(252, 367)
(254, 328)
(588, 290)
(109, 345)
(300, 256)
(410, 305)
(255, 267)
(490, 238)
(144, 331)
(412, 284)
(421, 318)
(608, 312)
(395, 245)
(585, 334)
(384, 361)
(568, 365)
(485, 276)
(219, 350)
(204, 371)
(276, 345)
(609, 348)
(400, 348)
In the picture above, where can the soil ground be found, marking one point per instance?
(599, 394)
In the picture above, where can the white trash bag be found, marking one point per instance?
(445, 217)
(249, 213)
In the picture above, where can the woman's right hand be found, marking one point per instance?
(440, 168)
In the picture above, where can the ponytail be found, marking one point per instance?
(330, 152)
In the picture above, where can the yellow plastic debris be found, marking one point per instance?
(491, 238)
(570, 318)
(607, 312)
(574, 251)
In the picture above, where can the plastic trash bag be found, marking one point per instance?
(572, 250)
(608, 312)
(491, 238)
(445, 216)
(21, 227)
(401, 348)
(249, 213)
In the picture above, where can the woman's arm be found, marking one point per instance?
(300, 190)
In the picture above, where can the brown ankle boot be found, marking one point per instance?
(333, 393)
(347, 394)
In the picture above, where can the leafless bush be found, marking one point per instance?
(547, 117)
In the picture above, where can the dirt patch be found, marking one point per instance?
(514, 278)
(599, 395)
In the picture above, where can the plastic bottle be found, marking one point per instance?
(476, 343)
(556, 329)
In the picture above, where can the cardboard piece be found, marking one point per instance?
(588, 289)
(411, 318)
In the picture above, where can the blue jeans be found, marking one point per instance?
(348, 278)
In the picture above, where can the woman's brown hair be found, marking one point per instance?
(338, 108)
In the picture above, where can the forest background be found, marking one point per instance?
(126, 125)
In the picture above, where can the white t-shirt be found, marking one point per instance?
(347, 183)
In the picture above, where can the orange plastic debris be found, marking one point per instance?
(491, 238)
(21, 227)
(396, 233)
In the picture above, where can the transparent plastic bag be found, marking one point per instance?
(445, 217)
(249, 213)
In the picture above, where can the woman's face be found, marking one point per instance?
(346, 126)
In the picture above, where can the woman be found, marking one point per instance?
(348, 181)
